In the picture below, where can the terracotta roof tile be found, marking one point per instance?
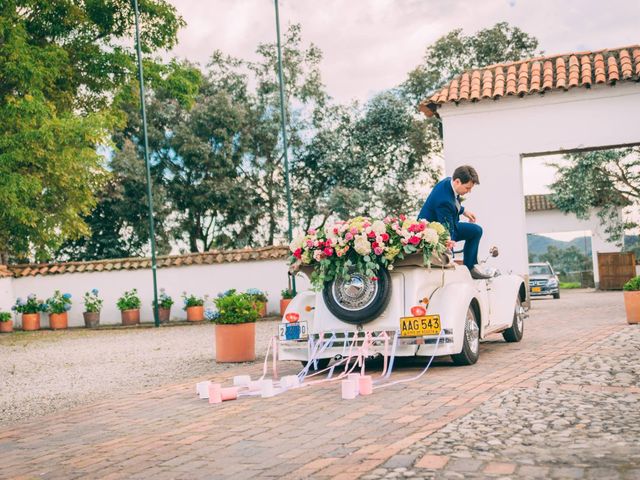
(574, 71)
(538, 75)
(612, 67)
(215, 256)
(536, 203)
(585, 76)
(523, 79)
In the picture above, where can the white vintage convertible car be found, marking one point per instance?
(418, 307)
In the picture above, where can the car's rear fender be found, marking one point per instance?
(451, 303)
(505, 289)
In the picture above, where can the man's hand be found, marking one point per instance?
(470, 215)
(450, 244)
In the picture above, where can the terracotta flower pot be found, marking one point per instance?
(632, 306)
(236, 343)
(91, 319)
(261, 307)
(6, 327)
(195, 314)
(164, 314)
(58, 321)
(130, 317)
(284, 303)
(30, 321)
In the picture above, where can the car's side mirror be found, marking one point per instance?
(493, 251)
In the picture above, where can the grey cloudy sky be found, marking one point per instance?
(370, 45)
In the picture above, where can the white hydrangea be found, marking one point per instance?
(362, 245)
(379, 227)
(296, 243)
(430, 235)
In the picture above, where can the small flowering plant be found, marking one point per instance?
(59, 303)
(365, 245)
(234, 308)
(192, 300)
(130, 300)
(286, 294)
(92, 302)
(164, 300)
(257, 295)
(31, 305)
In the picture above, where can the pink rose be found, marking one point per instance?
(309, 243)
(378, 250)
(371, 234)
(328, 251)
(414, 240)
(348, 236)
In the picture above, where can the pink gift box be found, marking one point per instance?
(229, 393)
(365, 385)
(215, 393)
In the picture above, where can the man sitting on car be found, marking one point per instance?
(443, 205)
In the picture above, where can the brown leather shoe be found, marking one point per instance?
(478, 275)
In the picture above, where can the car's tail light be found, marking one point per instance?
(292, 317)
(418, 311)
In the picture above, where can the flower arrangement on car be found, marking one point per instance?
(365, 245)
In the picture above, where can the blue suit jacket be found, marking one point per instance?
(440, 206)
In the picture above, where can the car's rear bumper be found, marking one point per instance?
(341, 347)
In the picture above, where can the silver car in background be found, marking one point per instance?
(543, 280)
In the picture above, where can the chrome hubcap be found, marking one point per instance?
(355, 293)
(472, 332)
(519, 314)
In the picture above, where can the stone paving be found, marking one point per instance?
(563, 403)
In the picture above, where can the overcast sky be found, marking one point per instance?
(370, 45)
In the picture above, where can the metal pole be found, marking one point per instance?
(283, 119)
(156, 319)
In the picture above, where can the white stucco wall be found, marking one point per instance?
(6, 294)
(554, 221)
(266, 275)
(494, 135)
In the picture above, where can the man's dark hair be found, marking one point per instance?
(466, 174)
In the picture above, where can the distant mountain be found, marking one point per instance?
(538, 244)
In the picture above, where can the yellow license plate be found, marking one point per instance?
(536, 289)
(418, 326)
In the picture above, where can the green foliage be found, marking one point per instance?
(59, 302)
(235, 308)
(5, 316)
(566, 260)
(164, 300)
(31, 305)
(604, 179)
(92, 302)
(192, 300)
(570, 285)
(633, 284)
(286, 294)
(129, 300)
(257, 295)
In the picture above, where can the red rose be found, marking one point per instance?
(375, 245)
(298, 253)
(385, 237)
(327, 243)
(371, 234)
(414, 240)
(328, 251)
(403, 218)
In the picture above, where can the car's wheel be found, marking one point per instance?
(515, 333)
(556, 296)
(358, 299)
(471, 344)
(321, 362)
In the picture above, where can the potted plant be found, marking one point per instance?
(194, 307)
(235, 329)
(92, 307)
(632, 299)
(129, 306)
(287, 296)
(30, 310)
(57, 307)
(164, 306)
(259, 299)
(6, 324)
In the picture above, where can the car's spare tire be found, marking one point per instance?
(358, 299)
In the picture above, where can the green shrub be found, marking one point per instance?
(286, 294)
(569, 285)
(235, 308)
(192, 300)
(129, 300)
(59, 303)
(5, 316)
(92, 303)
(257, 295)
(633, 284)
(31, 305)
(164, 300)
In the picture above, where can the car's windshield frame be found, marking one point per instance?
(540, 270)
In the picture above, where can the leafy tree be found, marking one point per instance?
(602, 179)
(565, 260)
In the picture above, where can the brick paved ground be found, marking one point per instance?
(519, 390)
